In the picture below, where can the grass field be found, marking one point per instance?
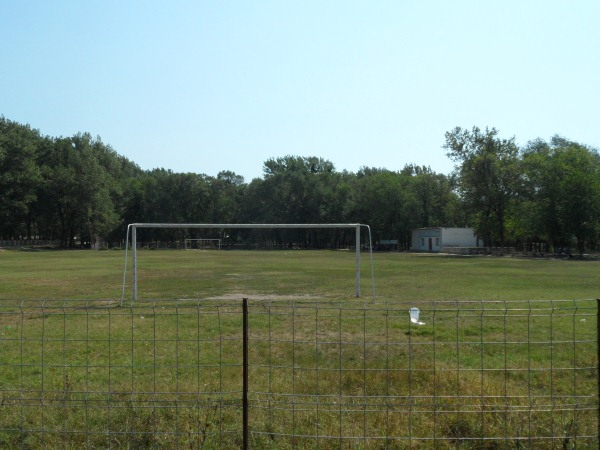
(87, 275)
(78, 371)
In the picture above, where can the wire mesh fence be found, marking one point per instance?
(299, 374)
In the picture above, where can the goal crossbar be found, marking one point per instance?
(134, 226)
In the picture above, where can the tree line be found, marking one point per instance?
(76, 189)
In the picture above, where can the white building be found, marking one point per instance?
(441, 239)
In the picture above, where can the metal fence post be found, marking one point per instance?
(245, 374)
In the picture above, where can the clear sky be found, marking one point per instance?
(204, 86)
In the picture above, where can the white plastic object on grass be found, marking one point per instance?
(414, 316)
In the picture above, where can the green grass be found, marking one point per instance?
(87, 275)
(77, 361)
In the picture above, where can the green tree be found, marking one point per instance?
(226, 192)
(437, 202)
(384, 200)
(19, 177)
(299, 190)
(78, 192)
(489, 175)
(564, 190)
(294, 186)
(168, 197)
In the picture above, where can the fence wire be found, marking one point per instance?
(489, 374)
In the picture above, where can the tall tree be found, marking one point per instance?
(226, 191)
(384, 200)
(77, 194)
(19, 177)
(564, 185)
(298, 190)
(489, 177)
(436, 200)
(295, 190)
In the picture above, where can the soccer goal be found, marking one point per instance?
(134, 227)
(202, 244)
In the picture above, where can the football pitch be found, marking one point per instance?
(170, 274)
(506, 357)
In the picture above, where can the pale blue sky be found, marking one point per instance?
(199, 86)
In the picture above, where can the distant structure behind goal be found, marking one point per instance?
(134, 226)
(202, 244)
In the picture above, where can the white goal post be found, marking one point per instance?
(201, 241)
(134, 226)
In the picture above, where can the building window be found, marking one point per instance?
(422, 242)
(437, 242)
